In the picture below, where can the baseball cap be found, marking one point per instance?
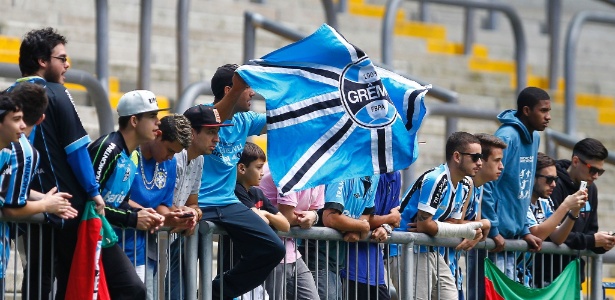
(137, 102)
(222, 78)
(204, 116)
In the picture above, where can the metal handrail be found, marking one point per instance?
(330, 13)
(183, 41)
(507, 10)
(555, 138)
(145, 46)
(102, 43)
(93, 86)
(190, 94)
(572, 40)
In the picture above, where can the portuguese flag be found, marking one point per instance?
(566, 286)
(87, 277)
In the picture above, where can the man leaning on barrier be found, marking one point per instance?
(433, 205)
(349, 206)
(586, 164)
(43, 60)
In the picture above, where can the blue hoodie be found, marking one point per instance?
(506, 200)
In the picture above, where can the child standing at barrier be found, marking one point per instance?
(249, 174)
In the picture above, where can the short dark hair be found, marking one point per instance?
(7, 104)
(176, 127)
(530, 96)
(591, 149)
(251, 152)
(543, 161)
(123, 121)
(488, 142)
(459, 141)
(221, 79)
(38, 44)
(33, 100)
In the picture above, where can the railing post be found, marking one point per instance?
(192, 248)
(249, 36)
(596, 282)
(183, 61)
(490, 21)
(102, 43)
(330, 13)
(423, 11)
(145, 41)
(554, 20)
(468, 31)
(205, 234)
(407, 277)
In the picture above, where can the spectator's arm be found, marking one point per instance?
(81, 164)
(333, 218)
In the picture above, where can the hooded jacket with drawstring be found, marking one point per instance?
(581, 236)
(506, 200)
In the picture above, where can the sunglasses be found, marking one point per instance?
(592, 170)
(548, 179)
(475, 156)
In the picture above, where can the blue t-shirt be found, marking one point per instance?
(220, 167)
(150, 190)
(353, 198)
(434, 193)
(5, 157)
(387, 197)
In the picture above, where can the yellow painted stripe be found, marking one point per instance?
(491, 65)
(370, 10)
(421, 30)
(606, 116)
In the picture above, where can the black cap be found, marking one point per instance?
(222, 78)
(204, 116)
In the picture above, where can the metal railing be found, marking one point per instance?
(572, 39)
(507, 10)
(95, 90)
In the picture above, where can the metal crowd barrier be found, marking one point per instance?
(400, 272)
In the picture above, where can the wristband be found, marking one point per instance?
(317, 218)
(387, 228)
(572, 217)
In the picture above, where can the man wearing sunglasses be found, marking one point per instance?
(544, 222)
(433, 205)
(505, 200)
(586, 164)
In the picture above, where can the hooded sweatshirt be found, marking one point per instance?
(581, 236)
(506, 200)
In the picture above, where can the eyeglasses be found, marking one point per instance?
(475, 156)
(548, 179)
(592, 170)
(64, 59)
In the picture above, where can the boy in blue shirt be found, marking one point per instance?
(349, 205)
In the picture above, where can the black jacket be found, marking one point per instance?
(581, 236)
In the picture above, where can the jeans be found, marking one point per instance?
(329, 285)
(175, 285)
(306, 288)
(260, 248)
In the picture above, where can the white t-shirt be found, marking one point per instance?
(188, 177)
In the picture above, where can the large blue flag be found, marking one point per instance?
(331, 114)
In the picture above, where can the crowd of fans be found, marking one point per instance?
(178, 170)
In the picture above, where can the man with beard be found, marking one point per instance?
(43, 60)
(433, 205)
(586, 164)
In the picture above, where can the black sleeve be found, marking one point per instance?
(123, 216)
(104, 156)
(243, 196)
(581, 236)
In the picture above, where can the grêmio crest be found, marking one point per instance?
(364, 97)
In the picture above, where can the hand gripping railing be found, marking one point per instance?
(507, 10)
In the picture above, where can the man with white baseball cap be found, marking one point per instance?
(114, 171)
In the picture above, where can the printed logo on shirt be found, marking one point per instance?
(526, 159)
